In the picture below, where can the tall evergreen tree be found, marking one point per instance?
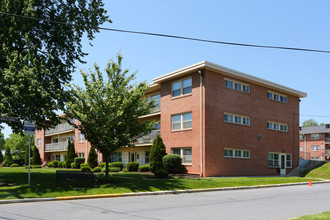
(92, 158)
(36, 160)
(8, 158)
(1, 156)
(157, 152)
(70, 154)
(27, 154)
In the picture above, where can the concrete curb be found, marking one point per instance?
(11, 201)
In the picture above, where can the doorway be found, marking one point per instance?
(132, 156)
(282, 164)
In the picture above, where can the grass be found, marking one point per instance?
(43, 183)
(323, 215)
(322, 172)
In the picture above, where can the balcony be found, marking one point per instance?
(148, 138)
(327, 152)
(327, 140)
(157, 107)
(60, 146)
(59, 129)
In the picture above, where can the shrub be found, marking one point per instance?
(14, 165)
(172, 163)
(117, 164)
(8, 158)
(92, 158)
(86, 169)
(97, 169)
(83, 165)
(161, 173)
(78, 161)
(144, 168)
(55, 163)
(50, 164)
(114, 169)
(70, 154)
(36, 160)
(132, 166)
(19, 161)
(157, 152)
(72, 165)
(102, 164)
(36, 166)
(125, 170)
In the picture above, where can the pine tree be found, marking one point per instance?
(157, 152)
(92, 158)
(27, 155)
(8, 158)
(70, 154)
(1, 156)
(36, 160)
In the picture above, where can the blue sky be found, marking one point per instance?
(295, 23)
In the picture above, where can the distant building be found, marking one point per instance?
(314, 143)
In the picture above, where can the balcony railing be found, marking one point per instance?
(156, 108)
(327, 139)
(60, 146)
(148, 138)
(327, 152)
(59, 128)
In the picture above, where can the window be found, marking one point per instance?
(57, 157)
(300, 137)
(273, 160)
(236, 119)
(39, 142)
(288, 161)
(156, 98)
(322, 147)
(315, 136)
(182, 87)
(185, 153)
(231, 84)
(81, 154)
(55, 140)
(115, 157)
(236, 153)
(182, 121)
(81, 137)
(315, 158)
(315, 148)
(277, 126)
(277, 97)
(147, 156)
(301, 148)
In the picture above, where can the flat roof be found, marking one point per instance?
(230, 72)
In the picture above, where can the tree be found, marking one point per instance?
(310, 122)
(2, 145)
(157, 152)
(36, 160)
(18, 144)
(70, 154)
(8, 158)
(109, 109)
(1, 156)
(38, 56)
(92, 158)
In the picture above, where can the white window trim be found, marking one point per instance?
(234, 115)
(181, 122)
(279, 96)
(181, 88)
(315, 148)
(39, 144)
(237, 82)
(315, 138)
(81, 140)
(279, 154)
(279, 126)
(181, 153)
(234, 156)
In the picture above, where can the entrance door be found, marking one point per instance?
(283, 164)
(132, 157)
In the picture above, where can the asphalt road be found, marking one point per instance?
(263, 203)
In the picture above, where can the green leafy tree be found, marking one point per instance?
(26, 159)
(36, 160)
(8, 157)
(1, 156)
(38, 56)
(18, 143)
(92, 158)
(109, 110)
(2, 145)
(310, 122)
(157, 152)
(70, 154)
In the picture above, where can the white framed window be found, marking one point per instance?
(156, 98)
(315, 148)
(81, 154)
(232, 84)
(288, 161)
(273, 160)
(277, 126)
(185, 153)
(116, 157)
(57, 157)
(39, 142)
(81, 137)
(147, 156)
(300, 137)
(315, 158)
(236, 153)
(300, 148)
(182, 121)
(277, 97)
(315, 136)
(236, 119)
(182, 87)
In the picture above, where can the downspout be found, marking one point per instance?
(201, 74)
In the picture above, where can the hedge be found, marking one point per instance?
(78, 161)
(172, 163)
(144, 168)
(132, 166)
(117, 164)
(86, 169)
(161, 173)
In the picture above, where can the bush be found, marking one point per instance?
(8, 161)
(19, 161)
(55, 163)
(62, 164)
(92, 158)
(172, 163)
(125, 170)
(132, 166)
(50, 164)
(86, 169)
(114, 169)
(72, 165)
(102, 164)
(144, 168)
(117, 164)
(157, 152)
(36, 166)
(14, 165)
(70, 154)
(83, 165)
(36, 160)
(78, 161)
(161, 173)
(97, 169)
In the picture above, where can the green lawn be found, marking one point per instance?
(322, 172)
(43, 183)
(323, 215)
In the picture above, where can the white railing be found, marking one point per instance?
(59, 128)
(148, 138)
(60, 146)
(327, 151)
(156, 108)
(327, 139)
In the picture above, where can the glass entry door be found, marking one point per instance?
(132, 156)
(283, 164)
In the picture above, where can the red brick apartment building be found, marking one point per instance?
(220, 121)
(314, 143)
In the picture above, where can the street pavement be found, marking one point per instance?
(263, 203)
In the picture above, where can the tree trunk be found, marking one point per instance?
(106, 167)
